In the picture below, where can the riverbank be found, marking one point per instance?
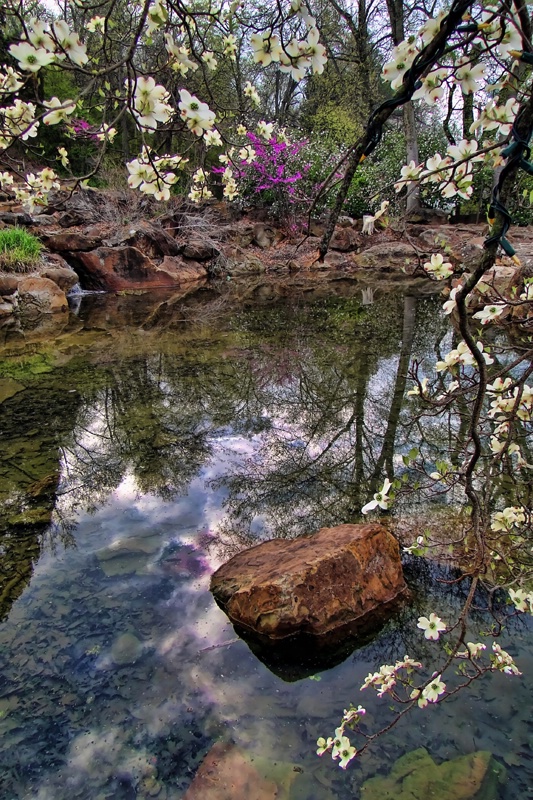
(116, 243)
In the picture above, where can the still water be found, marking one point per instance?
(144, 441)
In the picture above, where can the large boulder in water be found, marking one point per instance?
(314, 584)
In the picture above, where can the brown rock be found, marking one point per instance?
(336, 261)
(151, 240)
(317, 228)
(263, 236)
(41, 296)
(313, 584)
(344, 239)
(183, 271)
(229, 773)
(69, 241)
(6, 309)
(199, 251)
(118, 268)
(8, 285)
(65, 277)
(388, 256)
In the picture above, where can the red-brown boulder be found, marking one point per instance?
(121, 268)
(313, 584)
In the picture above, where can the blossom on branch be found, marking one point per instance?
(432, 626)
(381, 499)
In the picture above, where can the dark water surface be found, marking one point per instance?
(146, 444)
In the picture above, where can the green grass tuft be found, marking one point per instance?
(19, 250)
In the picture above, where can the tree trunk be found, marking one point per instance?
(411, 142)
(396, 14)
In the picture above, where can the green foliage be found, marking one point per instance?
(19, 250)
(338, 124)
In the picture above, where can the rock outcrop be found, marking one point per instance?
(314, 584)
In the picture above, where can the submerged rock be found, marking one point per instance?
(415, 776)
(229, 773)
(314, 584)
(126, 649)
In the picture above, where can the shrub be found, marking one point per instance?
(19, 250)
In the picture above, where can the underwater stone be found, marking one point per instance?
(126, 649)
(314, 584)
(415, 776)
(229, 773)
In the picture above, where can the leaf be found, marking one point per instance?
(413, 452)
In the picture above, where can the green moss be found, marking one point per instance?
(22, 369)
(19, 250)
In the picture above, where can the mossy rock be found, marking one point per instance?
(32, 516)
(415, 776)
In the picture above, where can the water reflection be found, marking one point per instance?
(155, 451)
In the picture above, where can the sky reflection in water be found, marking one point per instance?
(156, 456)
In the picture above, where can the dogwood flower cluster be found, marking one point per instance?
(296, 57)
(17, 121)
(430, 693)
(384, 680)
(340, 745)
(494, 117)
(251, 92)
(96, 24)
(229, 44)
(179, 56)
(462, 356)
(369, 220)
(197, 115)
(519, 402)
(152, 174)
(156, 17)
(60, 110)
(473, 650)
(438, 268)
(10, 81)
(45, 46)
(34, 192)
(149, 102)
(511, 518)
(417, 548)
(230, 184)
(265, 130)
(199, 190)
(527, 294)
(502, 661)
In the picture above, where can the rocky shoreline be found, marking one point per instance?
(99, 241)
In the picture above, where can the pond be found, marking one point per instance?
(143, 443)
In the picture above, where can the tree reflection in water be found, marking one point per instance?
(314, 390)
